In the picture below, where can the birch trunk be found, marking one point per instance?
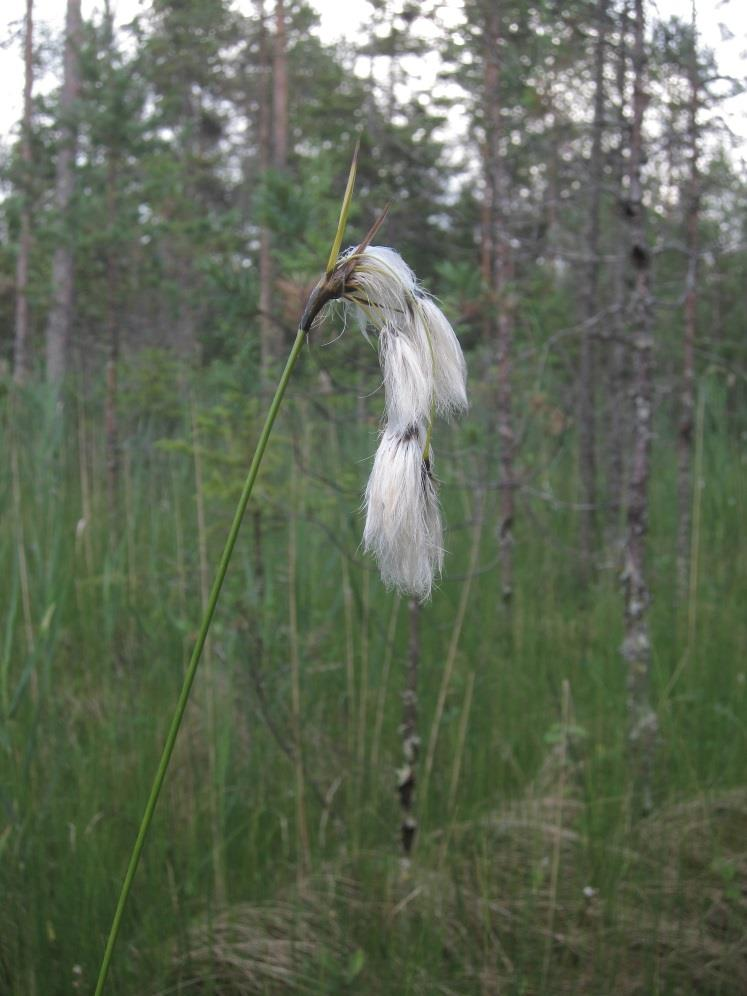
(587, 365)
(500, 276)
(410, 738)
(687, 392)
(636, 648)
(616, 420)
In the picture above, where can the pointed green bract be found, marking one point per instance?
(344, 211)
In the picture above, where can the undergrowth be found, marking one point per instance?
(528, 874)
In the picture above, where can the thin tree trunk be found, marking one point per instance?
(636, 649)
(280, 90)
(21, 361)
(501, 275)
(486, 249)
(266, 275)
(687, 394)
(616, 421)
(410, 738)
(60, 318)
(587, 365)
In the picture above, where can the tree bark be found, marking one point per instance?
(687, 391)
(636, 648)
(21, 360)
(587, 364)
(280, 90)
(501, 267)
(486, 250)
(266, 275)
(60, 317)
(617, 429)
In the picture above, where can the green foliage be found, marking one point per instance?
(93, 640)
(101, 600)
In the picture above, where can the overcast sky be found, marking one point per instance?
(722, 25)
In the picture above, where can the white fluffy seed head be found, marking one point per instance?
(424, 372)
(384, 286)
(386, 290)
(408, 383)
(449, 368)
(403, 521)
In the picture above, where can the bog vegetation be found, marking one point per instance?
(534, 782)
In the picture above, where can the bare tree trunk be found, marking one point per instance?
(61, 312)
(21, 361)
(486, 249)
(410, 738)
(280, 91)
(587, 365)
(636, 648)
(616, 420)
(501, 275)
(266, 275)
(687, 394)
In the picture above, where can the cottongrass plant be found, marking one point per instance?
(424, 373)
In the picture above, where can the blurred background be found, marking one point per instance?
(535, 782)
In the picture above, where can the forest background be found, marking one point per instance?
(535, 782)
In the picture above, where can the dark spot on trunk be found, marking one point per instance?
(639, 256)
(406, 788)
(409, 829)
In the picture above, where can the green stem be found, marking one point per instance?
(195, 660)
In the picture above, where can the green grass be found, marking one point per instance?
(97, 625)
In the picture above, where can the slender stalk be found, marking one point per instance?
(456, 768)
(347, 601)
(381, 698)
(219, 878)
(363, 697)
(295, 661)
(195, 660)
(21, 551)
(558, 836)
(697, 499)
(453, 646)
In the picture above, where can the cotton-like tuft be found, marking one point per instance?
(449, 368)
(384, 286)
(408, 383)
(403, 520)
(424, 374)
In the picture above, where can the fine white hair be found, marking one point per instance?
(384, 286)
(387, 291)
(424, 374)
(408, 383)
(403, 521)
(449, 368)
